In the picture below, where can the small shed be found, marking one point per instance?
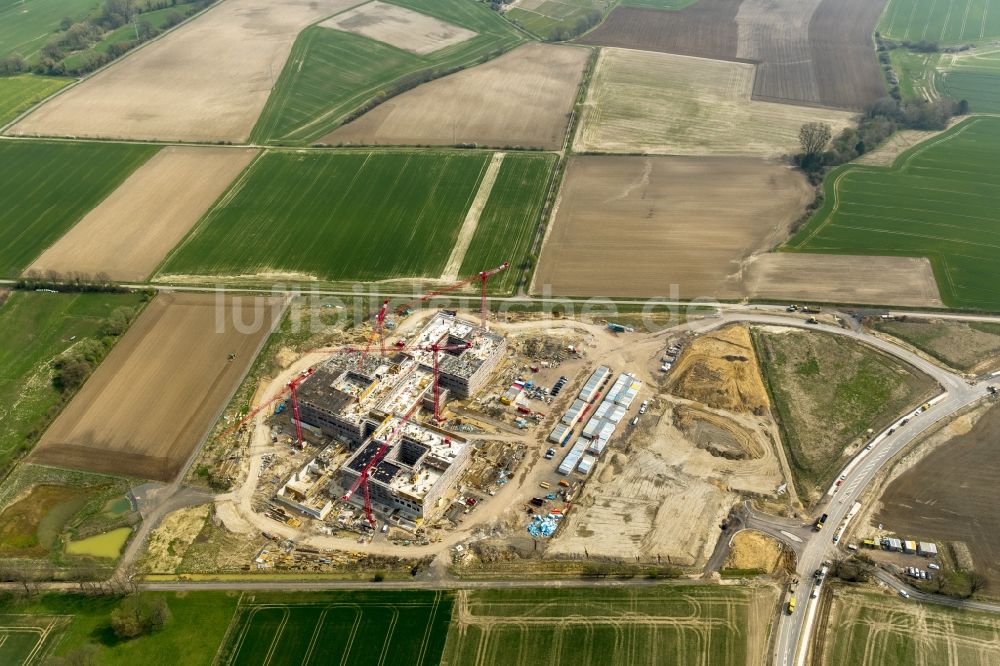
(892, 544)
(909, 546)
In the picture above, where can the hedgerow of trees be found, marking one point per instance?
(74, 37)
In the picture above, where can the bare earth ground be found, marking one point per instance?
(130, 232)
(666, 494)
(638, 226)
(776, 34)
(843, 52)
(833, 278)
(642, 101)
(814, 53)
(950, 495)
(206, 81)
(400, 27)
(169, 542)
(754, 550)
(522, 98)
(152, 401)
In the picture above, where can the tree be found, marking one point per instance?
(136, 616)
(977, 582)
(813, 138)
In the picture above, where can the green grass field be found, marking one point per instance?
(981, 89)
(873, 629)
(940, 199)
(601, 626)
(356, 628)
(942, 21)
(359, 215)
(25, 25)
(659, 4)
(552, 14)
(191, 638)
(331, 73)
(962, 345)
(826, 391)
(20, 93)
(49, 185)
(35, 328)
(510, 219)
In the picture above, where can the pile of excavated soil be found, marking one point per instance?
(716, 434)
(754, 550)
(720, 370)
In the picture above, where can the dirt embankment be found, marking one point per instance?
(720, 370)
(754, 550)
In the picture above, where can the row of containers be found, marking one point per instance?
(602, 424)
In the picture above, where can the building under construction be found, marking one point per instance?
(413, 476)
(360, 398)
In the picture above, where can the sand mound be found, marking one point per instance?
(720, 370)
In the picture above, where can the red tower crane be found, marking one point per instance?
(378, 329)
(482, 276)
(362, 481)
(435, 348)
(293, 387)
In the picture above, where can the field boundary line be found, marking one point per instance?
(471, 222)
(307, 657)
(387, 641)
(428, 629)
(286, 613)
(229, 630)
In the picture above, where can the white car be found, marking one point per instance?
(904, 594)
(643, 406)
(934, 566)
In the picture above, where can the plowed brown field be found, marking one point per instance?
(808, 51)
(130, 232)
(951, 495)
(206, 81)
(522, 98)
(635, 226)
(153, 400)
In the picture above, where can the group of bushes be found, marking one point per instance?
(79, 37)
(878, 122)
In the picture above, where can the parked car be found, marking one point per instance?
(934, 566)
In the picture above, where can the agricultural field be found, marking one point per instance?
(683, 225)
(397, 216)
(956, 22)
(45, 511)
(523, 98)
(555, 19)
(972, 347)
(25, 29)
(20, 93)
(356, 628)
(647, 102)
(512, 213)
(869, 629)
(206, 81)
(80, 625)
(400, 27)
(35, 330)
(814, 52)
(944, 199)
(130, 232)
(826, 392)
(955, 479)
(840, 278)
(332, 74)
(48, 186)
(128, 419)
(628, 625)
(972, 75)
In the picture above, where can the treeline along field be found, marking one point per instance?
(336, 216)
(47, 186)
(331, 74)
(940, 199)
